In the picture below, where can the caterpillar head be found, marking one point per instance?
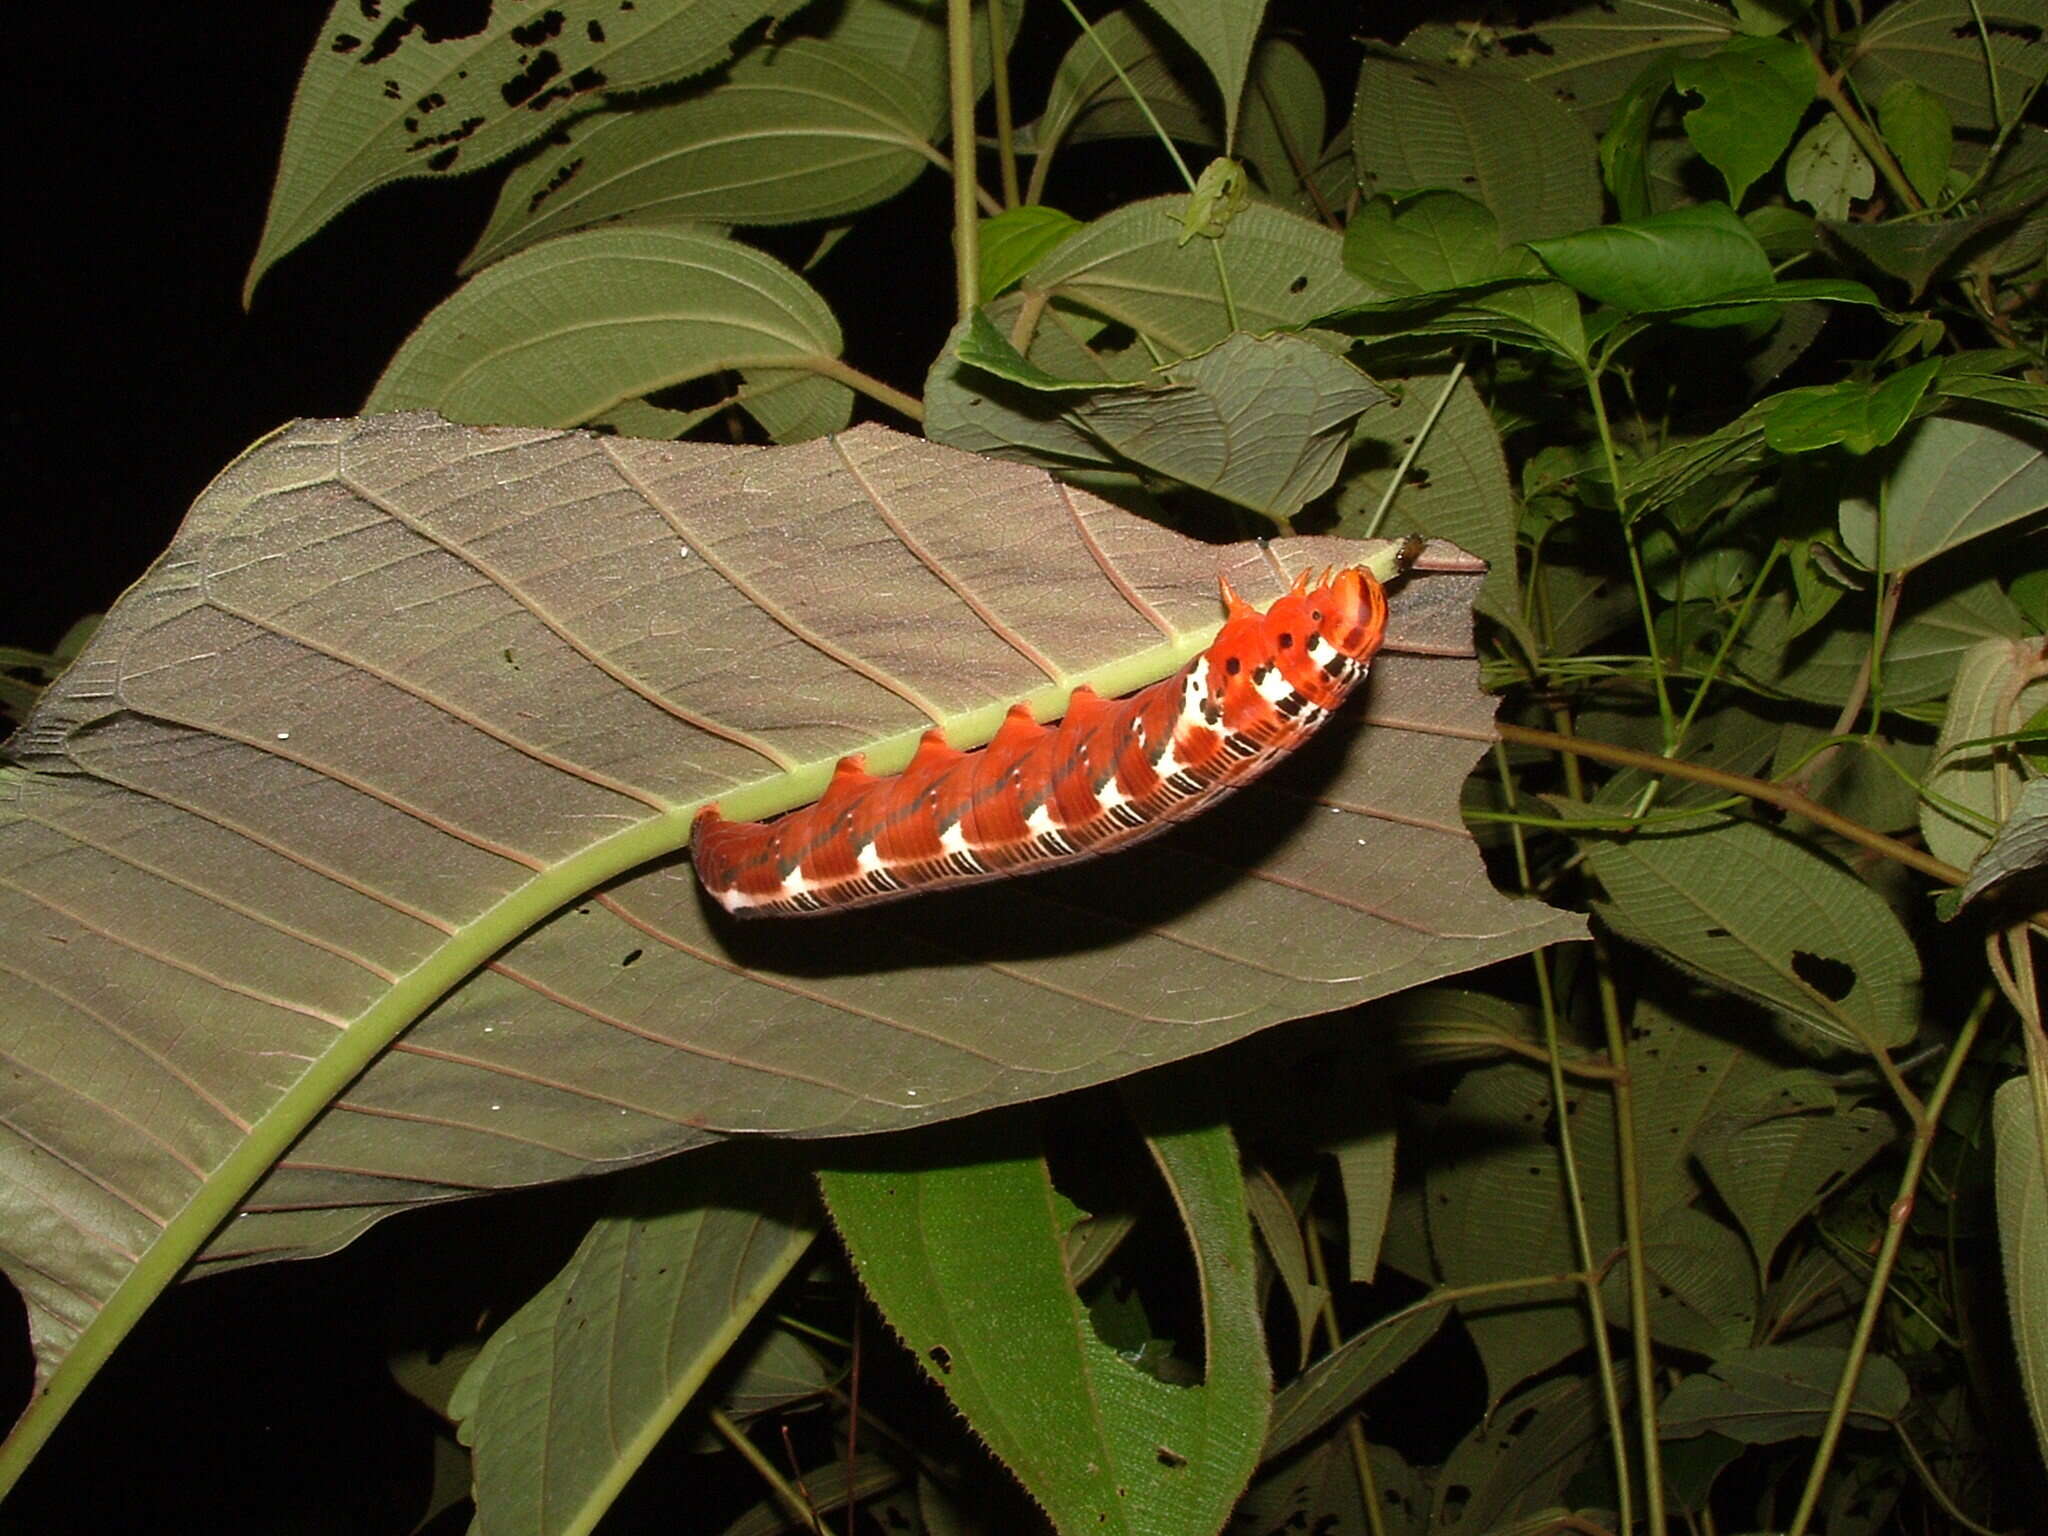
(1318, 634)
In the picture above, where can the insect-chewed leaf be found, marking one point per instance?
(407, 726)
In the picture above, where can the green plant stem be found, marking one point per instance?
(1354, 1428)
(866, 384)
(798, 1508)
(1925, 1124)
(1635, 559)
(1784, 798)
(274, 1131)
(966, 215)
(1582, 1241)
(999, 78)
(1830, 91)
(1379, 513)
(1632, 1235)
(1166, 142)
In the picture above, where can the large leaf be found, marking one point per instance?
(1586, 57)
(406, 726)
(1947, 481)
(565, 332)
(1969, 790)
(438, 96)
(577, 1386)
(1497, 139)
(1760, 913)
(1224, 33)
(802, 132)
(1780, 1392)
(1940, 44)
(965, 1262)
(2023, 1238)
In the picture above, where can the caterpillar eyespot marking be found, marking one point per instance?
(1112, 773)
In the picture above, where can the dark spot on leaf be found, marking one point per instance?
(631, 956)
(1172, 1459)
(1525, 43)
(441, 161)
(1299, 284)
(564, 174)
(1717, 933)
(525, 85)
(537, 31)
(594, 31)
(436, 21)
(942, 1359)
(1997, 27)
(344, 43)
(1832, 979)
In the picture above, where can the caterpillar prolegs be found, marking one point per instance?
(1112, 772)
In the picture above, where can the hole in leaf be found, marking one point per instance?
(1832, 979)
(631, 956)
(942, 1358)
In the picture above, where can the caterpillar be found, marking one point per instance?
(1111, 773)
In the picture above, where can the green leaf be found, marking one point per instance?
(406, 100)
(964, 1260)
(1260, 421)
(1915, 250)
(1925, 647)
(1761, 914)
(1938, 45)
(1688, 256)
(1129, 266)
(1624, 147)
(1703, 1287)
(1429, 242)
(1282, 131)
(564, 332)
(2020, 847)
(1917, 130)
(1968, 791)
(1015, 240)
(1781, 1392)
(1588, 55)
(1827, 172)
(574, 1390)
(1223, 34)
(1278, 1225)
(1418, 124)
(1685, 1072)
(1774, 1172)
(2023, 1239)
(1326, 1390)
(1320, 1490)
(1857, 413)
(1767, 18)
(1754, 90)
(1456, 488)
(1089, 99)
(1497, 1211)
(1519, 1460)
(807, 130)
(1428, 1025)
(1947, 481)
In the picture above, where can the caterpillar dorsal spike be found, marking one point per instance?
(1112, 772)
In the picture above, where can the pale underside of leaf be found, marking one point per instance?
(400, 690)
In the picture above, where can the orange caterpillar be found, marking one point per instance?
(1111, 773)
